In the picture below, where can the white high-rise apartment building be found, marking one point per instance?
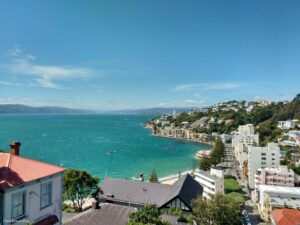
(242, 139)
(262, 157)
(246, 129)
(212, 181)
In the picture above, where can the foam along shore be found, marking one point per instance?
(183, 139)
(171, 179)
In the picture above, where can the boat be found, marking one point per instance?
(203, 153)
(110, 152)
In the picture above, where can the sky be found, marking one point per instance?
(131, 54)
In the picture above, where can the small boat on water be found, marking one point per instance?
(203, 153)
(110, 152)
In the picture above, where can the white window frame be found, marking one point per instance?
(43, 185)
(23, 204)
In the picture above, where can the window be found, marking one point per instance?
(263, 154)
(18, 205)
(46, 194)
(263, 158)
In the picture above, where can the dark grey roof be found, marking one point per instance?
(137, 192)
(188, 189)
(106, 215)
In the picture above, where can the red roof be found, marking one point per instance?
(16, 170)
(286, 216)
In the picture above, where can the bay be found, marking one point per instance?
(114, 145)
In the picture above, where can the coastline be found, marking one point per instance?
(147, 126)
(182, 139)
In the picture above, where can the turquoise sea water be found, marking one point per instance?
(116, 144)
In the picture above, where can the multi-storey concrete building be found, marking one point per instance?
(262, 157)
(281, 176)
(242, 139)
(277, 197)
(212, 181)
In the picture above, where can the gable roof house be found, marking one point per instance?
(30, 191)
(137, 193)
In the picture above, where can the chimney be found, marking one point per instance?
(15, 148)
(95, 205)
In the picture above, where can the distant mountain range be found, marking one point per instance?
(18, 108)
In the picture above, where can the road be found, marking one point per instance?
(249, 206)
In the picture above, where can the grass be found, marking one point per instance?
(231, 185)
(236, 196)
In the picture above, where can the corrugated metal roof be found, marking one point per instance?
(16, 170)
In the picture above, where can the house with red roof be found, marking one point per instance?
(30, 191)
(285, 217)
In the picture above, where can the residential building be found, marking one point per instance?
(287, 124)
(285, 217)
(241, 140)
(289, 143)
(30, 191)
(246, 129)
(212, 181)
(294, 134)
(226, 138)
(262, 157)
(281, 176)
(295, 157)
(137, 193)
(277, 197)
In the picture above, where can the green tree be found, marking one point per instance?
(153, 177)
(79, 185)
(204, 163)
(219, 210)
(147, 215)
(218, 151)
(297, 97)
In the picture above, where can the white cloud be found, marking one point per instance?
(6, 100)
(42, 75)
(207, 86)
(8, 83)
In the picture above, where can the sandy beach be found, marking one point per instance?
(170, 179)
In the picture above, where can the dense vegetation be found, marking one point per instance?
(231, 185)
(153, 177)
(78, 185)
(219, 210)
(265, 118)
(148, 214)
(215, 157)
